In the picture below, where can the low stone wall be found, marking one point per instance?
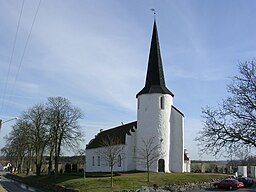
(174, 188)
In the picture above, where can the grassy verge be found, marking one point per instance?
(123, 182)
(2, 189)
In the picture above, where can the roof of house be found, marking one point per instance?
(117, 135)
(186, 158)
(155, 82)
(4, 162)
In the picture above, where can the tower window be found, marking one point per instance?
(162, 102)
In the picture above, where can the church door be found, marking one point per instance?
(160, 165)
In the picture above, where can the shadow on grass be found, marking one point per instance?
(44, 182)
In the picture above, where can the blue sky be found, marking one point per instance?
(95, 54)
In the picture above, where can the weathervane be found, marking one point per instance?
(154, 11)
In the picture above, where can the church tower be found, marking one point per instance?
(155, 121)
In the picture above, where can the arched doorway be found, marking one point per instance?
(160, 165)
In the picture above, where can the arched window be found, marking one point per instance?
(98, 160)
(162, 102)
(119, 161)
(93, 163)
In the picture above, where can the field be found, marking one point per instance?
(123, 182)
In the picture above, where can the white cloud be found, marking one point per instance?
(95, 54)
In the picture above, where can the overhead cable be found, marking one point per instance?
(25, 48)
(10, 63)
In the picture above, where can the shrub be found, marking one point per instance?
(68, 168)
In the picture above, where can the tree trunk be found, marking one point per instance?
(148, 172)
(57, 155)
(50, 166)
(38, 166)
(50, 161)
(38, 169)
(20, 165)
(39, 162)
(111, 180)
(56, 160)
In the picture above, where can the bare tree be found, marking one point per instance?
(17, 144)
(64, 128)
(149, 153)
(233, 124)
(80, 158)
(111, 153)
(39, 134)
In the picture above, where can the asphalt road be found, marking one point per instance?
(246, 189)
(243, 189)
(15, 186)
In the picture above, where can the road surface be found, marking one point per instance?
(15, 186)
(246, 189)
(243, 189)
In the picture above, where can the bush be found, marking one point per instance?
(68, 168)
(74, 167)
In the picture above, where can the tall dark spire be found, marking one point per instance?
(155, 82)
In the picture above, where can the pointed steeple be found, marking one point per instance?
(155, 82)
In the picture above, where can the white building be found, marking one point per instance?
(5, 165)
(158, 121)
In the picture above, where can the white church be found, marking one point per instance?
(157, 120)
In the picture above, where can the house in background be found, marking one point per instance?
(157, 118)
(5, 165)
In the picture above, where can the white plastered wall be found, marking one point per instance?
(177, 141)
(130, 153)
(103, 166)
(152, 121)
(187, 165)
(242, 171)
(253, 171)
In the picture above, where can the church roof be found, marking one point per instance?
(173, 107)
(117, 135)
(155, 82)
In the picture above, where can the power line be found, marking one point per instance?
(12, 53)
(25, 47)
(24, 50)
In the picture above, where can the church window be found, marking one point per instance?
(98, 160)
(119, 161)
(93, 163)
(162, 102)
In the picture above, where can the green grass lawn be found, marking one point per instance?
(125, 181)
